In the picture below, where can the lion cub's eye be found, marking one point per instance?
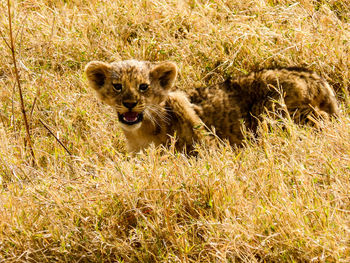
(117, 87)
(143, 87)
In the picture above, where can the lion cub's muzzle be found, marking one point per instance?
(130, 117)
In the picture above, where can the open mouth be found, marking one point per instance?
(130, 117)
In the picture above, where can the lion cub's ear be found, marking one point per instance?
(164, 73)
(96, 73)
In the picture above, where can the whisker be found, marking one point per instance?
(158, 111)
(151, 117)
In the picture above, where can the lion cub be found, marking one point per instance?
(149, 112)
(244, 100)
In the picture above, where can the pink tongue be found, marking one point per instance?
(130, 116)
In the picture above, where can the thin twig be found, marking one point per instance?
(58, 140)
(12, 48)
(31, 112)
(3, 38)
(13, 106)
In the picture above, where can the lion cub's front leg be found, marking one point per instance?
(186, 124)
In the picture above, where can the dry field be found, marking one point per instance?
(283, 197)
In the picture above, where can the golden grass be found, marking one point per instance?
(284, 197)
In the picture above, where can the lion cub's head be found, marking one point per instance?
(135, 89)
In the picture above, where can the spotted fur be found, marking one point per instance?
(244, 100)
(225, 106)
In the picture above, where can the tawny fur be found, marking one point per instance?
(226, 106)
(165, 113)
(243, 101)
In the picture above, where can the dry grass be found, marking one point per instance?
(281, 198)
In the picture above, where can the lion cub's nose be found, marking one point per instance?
(129, 105)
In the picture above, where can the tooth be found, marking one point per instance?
(133, 120)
